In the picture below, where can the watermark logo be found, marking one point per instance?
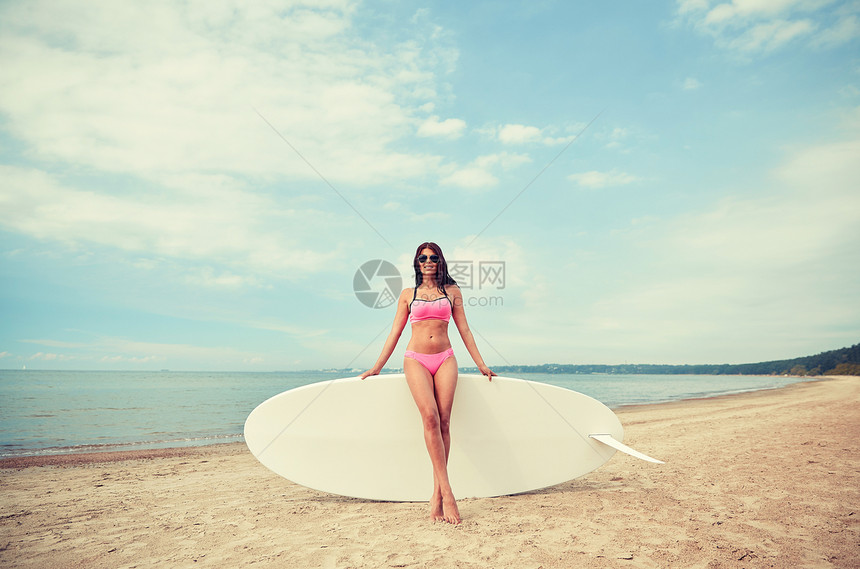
(491, 274)
(377, 284)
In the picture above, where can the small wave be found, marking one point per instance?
(7, 452)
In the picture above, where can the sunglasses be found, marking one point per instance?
(423, 258)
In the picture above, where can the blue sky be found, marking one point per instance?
(193, 185)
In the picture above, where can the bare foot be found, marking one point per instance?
(436, 512)
(451, 513)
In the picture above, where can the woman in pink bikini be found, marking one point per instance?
(430, 365)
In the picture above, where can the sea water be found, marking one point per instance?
(51, 412)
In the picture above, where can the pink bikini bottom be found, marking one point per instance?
(430, 361)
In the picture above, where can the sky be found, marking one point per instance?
(199, 185)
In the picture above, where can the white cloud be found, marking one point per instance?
(691, 84)
(470, 177)
(209, 277)
(843, 31)
(51, 357)
(556, 140)
(725, 279)
(760, 26)
(502, 248)
(685, 6)
(737, 9)
(120, 350)
(163, 88)
(505, 160)
(448, 128)
(478, 174)
(749, 262)
(616, 139)
(162, 351)
(144, 121)
(519, 134)
(221, 224)
(771, 35)
(115, 359)
(813, 213)
(594, 179)
(523, 134)
(56, 343)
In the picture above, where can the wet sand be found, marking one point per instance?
(763, 479)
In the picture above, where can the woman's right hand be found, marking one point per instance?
(370, 372)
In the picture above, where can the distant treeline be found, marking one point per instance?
(845, 361)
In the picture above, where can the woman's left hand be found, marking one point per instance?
(368, 373)
(487, 372)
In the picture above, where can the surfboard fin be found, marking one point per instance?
(617, 445)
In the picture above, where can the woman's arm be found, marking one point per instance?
(459, 316)
(400, 318)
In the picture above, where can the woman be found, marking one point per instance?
(429, 362)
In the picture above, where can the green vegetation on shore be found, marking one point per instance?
(845, 361)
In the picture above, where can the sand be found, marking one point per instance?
(768, 479)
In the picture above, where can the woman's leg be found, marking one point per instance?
(445, 384)
(424, 392)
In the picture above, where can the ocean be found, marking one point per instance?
(60, 412)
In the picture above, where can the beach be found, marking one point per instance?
(763, 479)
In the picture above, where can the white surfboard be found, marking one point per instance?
(364, 438)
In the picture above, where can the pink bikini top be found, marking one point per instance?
(437, 309)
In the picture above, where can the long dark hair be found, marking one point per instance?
(442, 276)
